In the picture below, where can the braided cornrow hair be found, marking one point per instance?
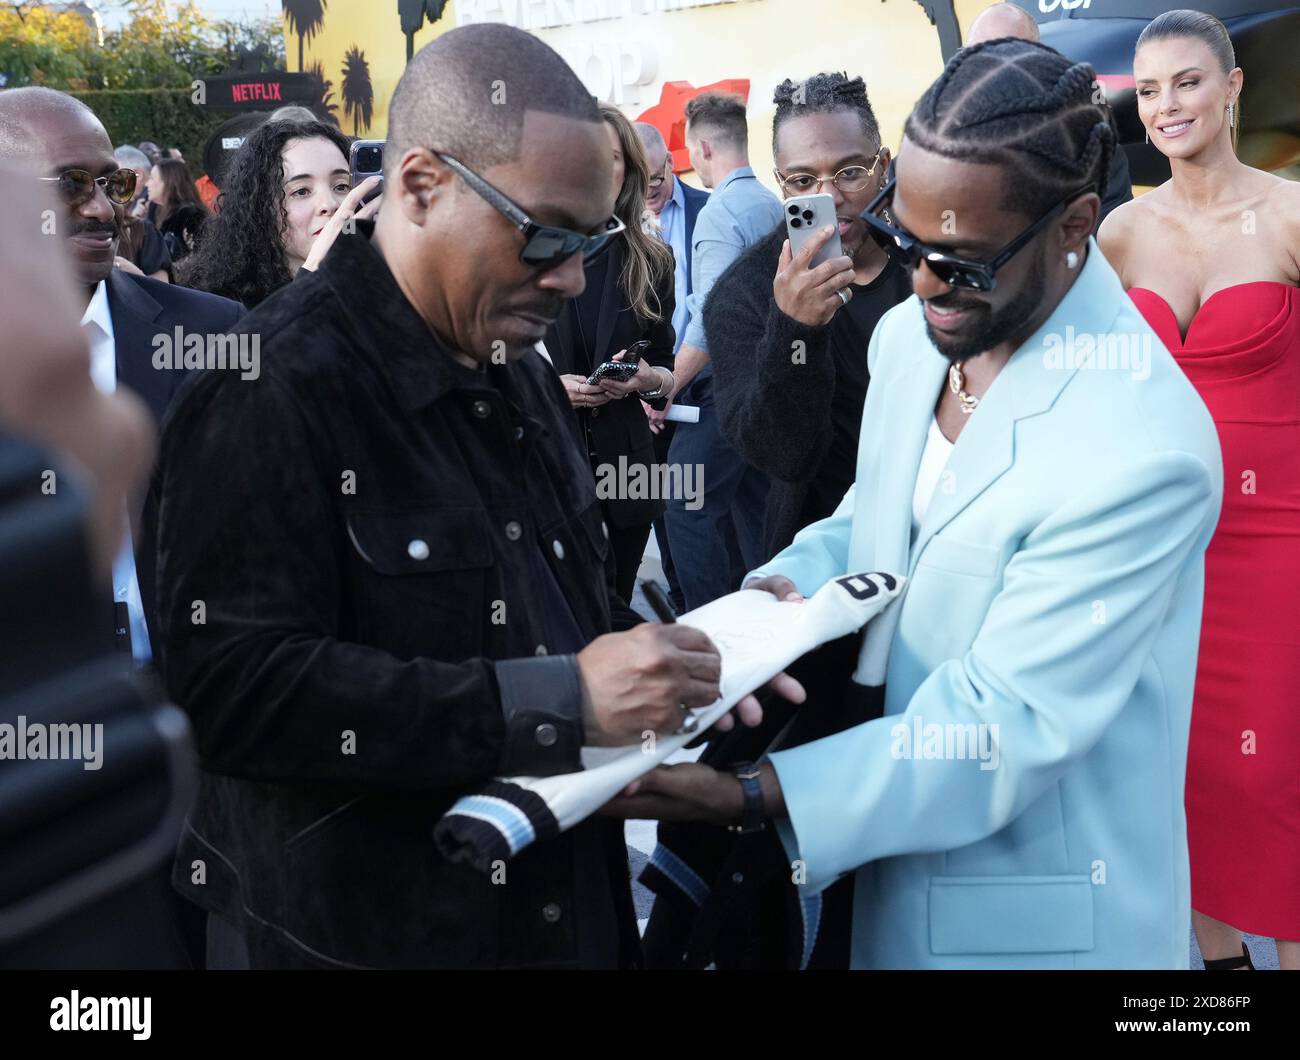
(1023, 106)
(824, 94)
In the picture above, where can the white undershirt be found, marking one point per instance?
(934, 458)
(97, 324)
(873, 658)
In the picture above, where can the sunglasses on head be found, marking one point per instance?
(77, 187)
(544, 245)
(955, 271)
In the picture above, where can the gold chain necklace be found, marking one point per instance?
(956, 381)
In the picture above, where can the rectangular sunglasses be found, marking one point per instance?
(544, 245)
(77, 186)
(955, 271)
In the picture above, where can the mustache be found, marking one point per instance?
(95, 228)
(548, 310)
(952, 304)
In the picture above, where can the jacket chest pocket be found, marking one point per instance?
(422, 581)
(952, 585)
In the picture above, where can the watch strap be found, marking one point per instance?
(752, 818)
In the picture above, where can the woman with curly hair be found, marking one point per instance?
(283, 202)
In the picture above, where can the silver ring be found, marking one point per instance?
(691, 721)
(844, 296)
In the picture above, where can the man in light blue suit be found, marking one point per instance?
(1038, 467)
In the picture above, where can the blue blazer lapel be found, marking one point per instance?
(907, 420)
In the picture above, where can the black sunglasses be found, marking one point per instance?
(77, 187)
(908, 251)
(544, 245)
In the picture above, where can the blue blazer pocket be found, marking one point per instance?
(1010, 914)
(959, 557)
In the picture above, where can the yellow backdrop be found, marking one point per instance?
(629, 54)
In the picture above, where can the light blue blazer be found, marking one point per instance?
(1020, 804)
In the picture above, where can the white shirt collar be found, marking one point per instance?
(97, 323)
(97, 310)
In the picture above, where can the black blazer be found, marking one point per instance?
(618, 428)
(141, 309)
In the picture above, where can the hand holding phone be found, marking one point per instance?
(805, 217)
(366, 159)
(621, 371)
(813, 275)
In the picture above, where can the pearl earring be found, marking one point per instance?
(1071, 259)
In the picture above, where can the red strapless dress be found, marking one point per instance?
(1242, 353)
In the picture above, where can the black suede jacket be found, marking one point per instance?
(375, 565)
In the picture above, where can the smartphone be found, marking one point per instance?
(621, 371)
(366, 159)
(805, 216)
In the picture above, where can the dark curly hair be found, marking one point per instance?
(241, 252)
(824, 94)
(1025, 107)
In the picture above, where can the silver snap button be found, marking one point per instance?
(514, 531)
(546, 734)
(541, 650)
(737, 877)
(418, 549)
(595, 413)
(518, 433)
(482, 409)
(558, 548)
(550, 912)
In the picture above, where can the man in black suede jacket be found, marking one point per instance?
(382, 563)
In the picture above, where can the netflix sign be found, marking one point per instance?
(264, 91)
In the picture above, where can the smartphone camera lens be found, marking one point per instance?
(796, 223)
(807, 215)
(794, 211)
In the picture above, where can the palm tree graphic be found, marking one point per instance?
(324, 107)
(412, 14)
(358, 93)
(306, 17)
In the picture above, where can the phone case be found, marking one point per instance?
(805, 215)
(601, 372)
(358, 175)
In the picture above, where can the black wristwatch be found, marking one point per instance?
(752, 818)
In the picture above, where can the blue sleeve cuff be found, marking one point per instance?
(541, 702)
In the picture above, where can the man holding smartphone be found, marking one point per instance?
(788, 339)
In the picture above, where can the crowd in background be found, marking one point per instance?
(700, 293)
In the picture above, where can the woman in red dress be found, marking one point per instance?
(1211, 259)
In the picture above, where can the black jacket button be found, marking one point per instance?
(546, 734)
